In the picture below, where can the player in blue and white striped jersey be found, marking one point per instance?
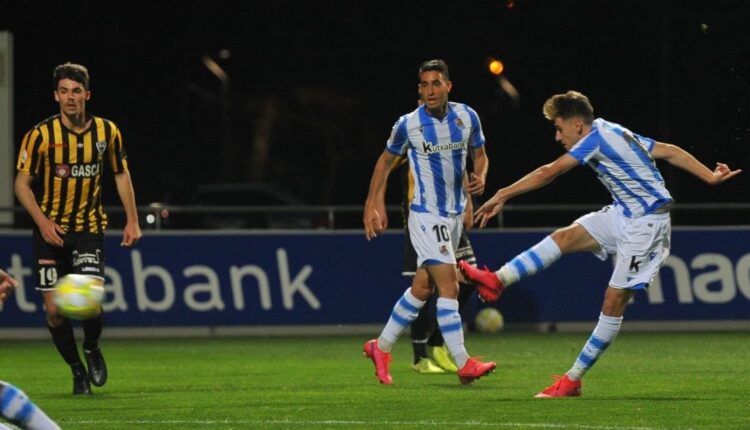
(436, 138)
(437, 152)
(635, 228)
(15, 406)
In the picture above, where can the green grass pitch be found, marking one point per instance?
(644, 381)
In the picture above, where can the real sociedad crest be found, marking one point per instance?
(101, 146)
(459, 123)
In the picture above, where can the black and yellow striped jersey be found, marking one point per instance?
(69, 166)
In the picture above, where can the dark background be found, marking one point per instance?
(321, 82)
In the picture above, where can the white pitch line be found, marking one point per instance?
(366, 423)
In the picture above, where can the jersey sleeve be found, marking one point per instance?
(647, 142)
(476, 137)
(116, 150)
(586, 148)
(398, 141)
(30, 154)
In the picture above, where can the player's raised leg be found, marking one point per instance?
(570, 239)
(491, 284)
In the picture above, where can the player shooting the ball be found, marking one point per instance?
(635, 228)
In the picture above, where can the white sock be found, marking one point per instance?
(452, 329)
(604, 334)
(16, 407)
(406, 310)
(529, 262)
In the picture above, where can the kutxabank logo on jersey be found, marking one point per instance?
(430, 148)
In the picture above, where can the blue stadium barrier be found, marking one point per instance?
(323, 278)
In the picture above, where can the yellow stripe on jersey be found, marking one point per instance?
(70, 166)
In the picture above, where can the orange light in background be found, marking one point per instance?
(496, 67)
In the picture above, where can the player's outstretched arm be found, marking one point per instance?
(536, 179)
(678, 157)
(375, 219)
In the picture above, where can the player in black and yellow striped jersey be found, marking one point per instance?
(71, 164)
(67, 154)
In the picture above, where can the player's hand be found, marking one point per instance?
(51, 232)
(489, 209)
(383, 215)
(476, 185)
(7, 285)
(374, 223)
(131, 234)
(722, 173)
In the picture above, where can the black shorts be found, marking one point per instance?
(82, 253)
(464, 252)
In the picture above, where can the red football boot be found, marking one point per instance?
(381, 360)
(475, 369)
(563, 387)
(486, 282)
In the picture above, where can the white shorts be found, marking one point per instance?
(435, 238)
(640, 245)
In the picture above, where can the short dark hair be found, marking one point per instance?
(437, 65)
(569, 105)
(74, 72)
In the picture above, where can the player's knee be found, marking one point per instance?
(449, 291)
(563, 237)
(52, 312)
(573, 238)
(616, 301)
(55, 320)
(421, 290)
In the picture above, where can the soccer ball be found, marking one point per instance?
(78, 296)
(489, 320)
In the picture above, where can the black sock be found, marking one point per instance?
(65, 342)
(464, 293)
(419, 335)
(420, 350)
(92, 330)
(422, 326)
(436, 339)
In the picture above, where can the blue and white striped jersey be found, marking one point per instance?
(437, 155)
(622, 160)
